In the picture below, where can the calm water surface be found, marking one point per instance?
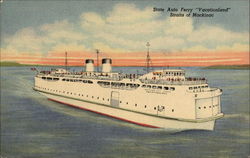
(34, 127)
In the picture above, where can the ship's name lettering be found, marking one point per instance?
(155, 9)
(172, 9)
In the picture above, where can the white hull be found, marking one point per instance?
(134, 117)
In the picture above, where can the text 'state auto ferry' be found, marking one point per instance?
(158, 99)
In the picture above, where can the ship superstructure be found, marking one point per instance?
(158, 99)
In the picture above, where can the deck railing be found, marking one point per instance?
(180, 82)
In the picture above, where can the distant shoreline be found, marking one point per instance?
(236, 67)
(233, 67)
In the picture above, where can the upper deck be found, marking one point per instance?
(162, 77)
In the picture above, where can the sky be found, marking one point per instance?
(40, 32)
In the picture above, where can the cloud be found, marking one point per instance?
(25, 40)
(178, 26)
(217, 35)
(106, 48)
(70, 47)
(62, 30)
(58, 36)
(123, 29)
(124, 13)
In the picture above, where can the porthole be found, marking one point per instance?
(108, 99)
(103, 99)
(127, 103)
(145, 106)
(199, 107)
(172, 110)
(155, 108)
(120, 101)
(97, 97)
(204, 107)
(92, 96)
(135, 104)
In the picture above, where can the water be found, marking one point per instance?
(34, 127)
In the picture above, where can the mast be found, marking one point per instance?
(97, 58)
(66, 61)
(148, 57)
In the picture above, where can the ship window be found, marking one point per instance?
(90, 82)
(172, 88)
(102, 98)
(97, 97)
(63, 79)
(135, 104)
(154, 87)
(70, 93)
(143, 86)
(199, 107)
(44, 78)
(71, 80)
(67, 80)
(127, 103)
(148, 86)
(159, 87)
(92, 96)
(166, 88)
(87, 96)
(120, 101)
(79, 94)
(204, 107)
(108, 99)
(190, 88)
(56, 79)
(84, 81)
(49, 78)
(145, 106)
(107, 83)
(172, 110)
(155, 108)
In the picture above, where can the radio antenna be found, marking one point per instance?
(97, 59)
(148, 57)
(66, 61)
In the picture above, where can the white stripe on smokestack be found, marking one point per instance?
(89, 65)
(106, 65)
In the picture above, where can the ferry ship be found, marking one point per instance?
(157, 99)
